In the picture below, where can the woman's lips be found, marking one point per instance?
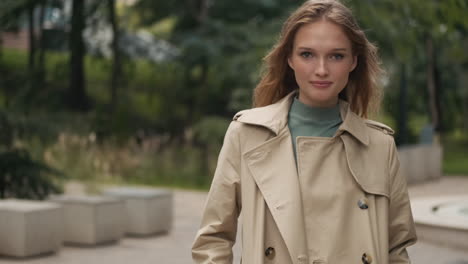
(321, 84)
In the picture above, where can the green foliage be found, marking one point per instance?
(10, 10)
(211, 130)
(6, 135)
(175, 166)
(401, 29)
(17, 92)
(455, 160)
(20, 175)
(221, 50)
(150, 161)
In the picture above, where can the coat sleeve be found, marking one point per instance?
(217, 234)
(401, 226)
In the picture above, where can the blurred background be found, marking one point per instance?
(142, 91)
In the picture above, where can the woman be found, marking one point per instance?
(316, 182)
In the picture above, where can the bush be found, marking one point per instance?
(20, 175)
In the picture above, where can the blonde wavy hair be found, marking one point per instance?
(362, 90)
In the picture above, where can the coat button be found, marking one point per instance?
(363, 203)
(366, 258)
(270, 252)
(302, 258)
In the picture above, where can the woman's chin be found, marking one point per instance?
(320, 100)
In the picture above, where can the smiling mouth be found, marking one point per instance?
(321, 84)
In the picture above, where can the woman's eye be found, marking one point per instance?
(337, 56)
(305, 54)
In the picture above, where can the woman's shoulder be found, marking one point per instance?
(379, 126)
(255, 113)
(266, 113)
(257, 121)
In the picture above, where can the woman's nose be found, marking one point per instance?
(321, 69)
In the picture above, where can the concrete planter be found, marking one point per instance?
(149, 211)
(420, 163)
(29, 228)
(91, 220)
(442, 220)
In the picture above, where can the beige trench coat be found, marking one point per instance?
(256, 174)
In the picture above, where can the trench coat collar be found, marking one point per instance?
(275, 118)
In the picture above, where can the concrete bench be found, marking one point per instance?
(91, 220)
(420, 163)
(149, 211)
(29, 228)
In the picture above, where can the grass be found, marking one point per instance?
(455, 160)
(83, 159)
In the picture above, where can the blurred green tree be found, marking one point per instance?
(11, 13)
(427, 37)
(222, 44)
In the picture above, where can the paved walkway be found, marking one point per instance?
(426, 253)
(174, 248)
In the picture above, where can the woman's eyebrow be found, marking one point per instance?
(340, 49)
(304, 48)
(311, 49)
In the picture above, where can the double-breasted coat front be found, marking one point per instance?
(364, 217)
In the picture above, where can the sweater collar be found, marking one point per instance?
(313, 115)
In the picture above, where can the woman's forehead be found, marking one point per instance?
(321, 35)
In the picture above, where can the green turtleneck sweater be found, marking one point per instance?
(304, 120)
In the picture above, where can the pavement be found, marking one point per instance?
(174, 248)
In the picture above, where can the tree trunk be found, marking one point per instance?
(438, 96)
(6, 95)
(32, 39)
(1, 44)
(402, 123)
(464, 100)
(77, 92)
(116, 63)
(41, 55)
(202, 11)
(199, 13)
(465, 112)
(431, 87)
(2, 188)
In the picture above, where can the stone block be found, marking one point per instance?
(420, 163)
(29, 228)
(91, 220)
(149, 211)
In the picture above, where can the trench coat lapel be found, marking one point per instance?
(273, 168)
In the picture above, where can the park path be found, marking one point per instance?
(174, 248)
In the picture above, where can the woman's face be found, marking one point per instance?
(321, 59)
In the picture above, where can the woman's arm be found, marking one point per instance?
(401, 226)
(217, 234)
